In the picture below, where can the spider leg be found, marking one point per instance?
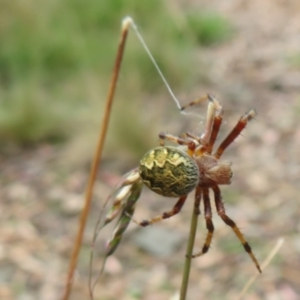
(215, 129)
(198, 200)
(234, 133)
(231, 223)
(209, 224)
(200, 150)
(196, 101)
(193, 136)
(181, 141)
(214, 110)
(211, 109)
(212, 124)
(175, 210)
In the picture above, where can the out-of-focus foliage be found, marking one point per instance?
(295, 60)
(56, 55)
(209, 28)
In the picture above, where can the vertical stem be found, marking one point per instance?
(189, 251)
(96, 160)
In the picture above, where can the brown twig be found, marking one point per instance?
(97, 158)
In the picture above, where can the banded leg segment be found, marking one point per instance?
(197, 202)
(235, 132)
(178, 140)
(231, 223)
(196, 101)
(192, 136)
(215, 130)
(175, 210)
(213, 120)
(209, 224)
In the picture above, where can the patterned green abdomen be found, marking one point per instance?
(169, 172)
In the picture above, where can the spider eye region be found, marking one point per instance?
(169, 172)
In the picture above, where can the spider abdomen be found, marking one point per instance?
(169, 171)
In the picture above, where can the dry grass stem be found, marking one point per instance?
(96, 160)
(263, 266)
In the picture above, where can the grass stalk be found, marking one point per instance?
(265, 263)
(189, 251)
(96, 161)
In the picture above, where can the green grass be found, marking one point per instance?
(210, 28)
(56, 59)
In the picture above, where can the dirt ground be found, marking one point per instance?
(40, 203)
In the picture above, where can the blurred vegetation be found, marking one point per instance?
(56, 59)
(209, 28)
(294, 60)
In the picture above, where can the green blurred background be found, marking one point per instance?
(56, 58)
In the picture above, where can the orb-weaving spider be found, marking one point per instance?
(177, 171)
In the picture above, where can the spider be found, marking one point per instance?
(177, 171)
